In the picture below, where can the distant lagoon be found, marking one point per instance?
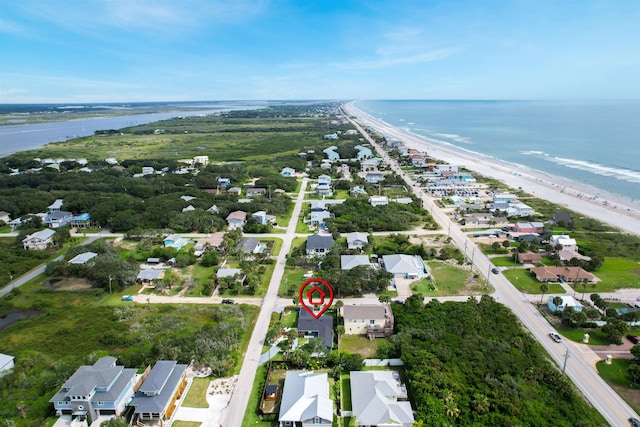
(14, 138)
(594, 143)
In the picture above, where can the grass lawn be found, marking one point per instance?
(526, 283)
(197, 396)
(291, 281)
(289, 318)
(345, 385)
(596, 336)
(277, 244)
(360, 344)
(199, 274)
(303, 228)
(615, 373)
(251, 415)
(617, 273)
(504, 261)
(179, 423)
(448, 280)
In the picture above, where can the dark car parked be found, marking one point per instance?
(634, 339)
(228, 301)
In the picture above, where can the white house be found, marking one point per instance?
(405, 266)
(520, 210)
(5, 217)
(378, 200)
(288, 172)
(567, 301)
(378, 398)
(324, 185)
(263, 218)
(175, 241)
(236, 219)
(147, 170)
(347, 262)
(203, 160)
(357, 240)
(567, 243)
(305, 400)
(39, 240)
(82, 258)
(374, 177)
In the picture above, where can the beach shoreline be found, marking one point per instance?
(607, 207)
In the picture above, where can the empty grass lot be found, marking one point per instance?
(449, 280)
(617, 273)
(596, 336)
(197, 395)
(360, 344)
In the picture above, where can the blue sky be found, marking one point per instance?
(139, 50)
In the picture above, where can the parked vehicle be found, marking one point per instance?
(634, 339)
(228, 301)
(555, 336)
(127, 298)
(495, 270)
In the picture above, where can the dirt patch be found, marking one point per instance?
(636, 271)
(12, 316)
(631, 396)
(68, 284)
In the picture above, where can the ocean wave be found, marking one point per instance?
(454, 137)
(534, 152)
(598, 169)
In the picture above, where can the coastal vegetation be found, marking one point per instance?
(70, 328)
(472, 363)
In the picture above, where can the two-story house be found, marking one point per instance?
(375, 321)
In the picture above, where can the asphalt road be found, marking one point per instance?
(232, 415)
(580, 363)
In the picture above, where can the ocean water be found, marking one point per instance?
(594, 143)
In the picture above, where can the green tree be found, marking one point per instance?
(557, 302)
(634, 372)
(544, 288)
(614, 330)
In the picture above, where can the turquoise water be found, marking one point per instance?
(595, 143)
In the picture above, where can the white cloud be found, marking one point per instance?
(384, 61)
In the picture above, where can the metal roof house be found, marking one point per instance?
(378, 398)
(318, 245)
(357, 240)
(94, 390)
(39, 240)
(405, 266)
(82, 258)
(305, 400)
(155, 401)
(347, 262)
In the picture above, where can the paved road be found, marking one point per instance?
(580, 364)
(232, 415)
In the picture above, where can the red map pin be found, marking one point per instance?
(316, 299)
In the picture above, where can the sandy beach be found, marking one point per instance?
(606, 207)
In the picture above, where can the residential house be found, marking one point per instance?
(347, 262)
(175, 241)
(155, 401)
(310, 327)
(357, 240)
(101, 389)
(263, 218)
(250, 245)
(236, 219)
(529, 227)
(375, 321)
(356, 190)
(56, 206)
(330, 152)
(305, 400)
(520, 210)
(147, 170)
(81, 221)
(529, 258)
(378, 398)
(403, 200)
(224, 272)
(39, 240)
(82, 258)
(363, 152)
(189, 208)
(378, 200)
(503, 197)
(288, 172)
(567, 274)
(224, 182)
(187, 198)
(6, 364)
(319, 216)
(567, 255)
(567, 301)
(318, 245)
(440, 169)
(418, 160)
(255, 191)
(562, 219)
(57, 219)
(5, 217)
(369, 164)
(213, 209)
(111, 161)
(456, 200)
(149, 276)
(567, 243)
(202, 160)
(374, 177)
(234, 191)
(405, 266)
(324, 186)
(331, 136)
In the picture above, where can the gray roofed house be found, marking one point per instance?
(357, 240)
(405, 266)
(82, 258)
(148, 276)
(379, 398)
(55, 219)
(305, 400)
(228, 272)
(236, 219)
(94, 390)
(318, 245)
(154, 402)
(250, 245)
(6, 364)
(347, 262)
(39, 240)
(321, 327)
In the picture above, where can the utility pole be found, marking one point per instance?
(109, 284)
(11, 281)
(566, 357)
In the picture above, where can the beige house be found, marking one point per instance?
(375, 321)
(39, 240)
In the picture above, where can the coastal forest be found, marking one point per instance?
(473, 363)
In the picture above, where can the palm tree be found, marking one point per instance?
(557, 302)
(544, 288)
